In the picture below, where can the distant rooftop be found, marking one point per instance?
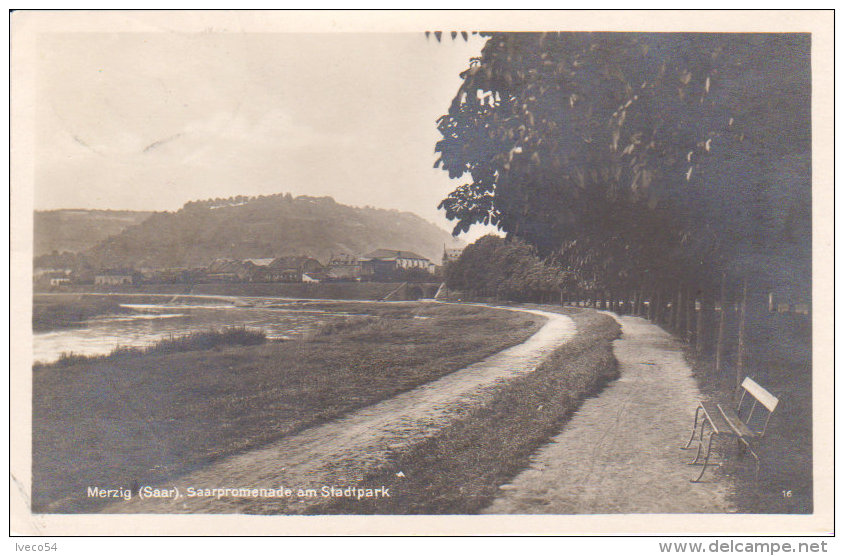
(393, 254)
(259, 262)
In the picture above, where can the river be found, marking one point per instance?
(146, 323)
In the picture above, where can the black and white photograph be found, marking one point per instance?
(535, 265)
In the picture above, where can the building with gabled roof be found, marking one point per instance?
(382, 263)
(228, 270)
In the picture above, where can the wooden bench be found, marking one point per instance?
(746, 425)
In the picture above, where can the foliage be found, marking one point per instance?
(638, 155)
(496, 267)
(75, 230)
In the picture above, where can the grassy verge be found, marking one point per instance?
(781, 363)
(146, 420)
(197, 341)
(459, 470)
(68, 311)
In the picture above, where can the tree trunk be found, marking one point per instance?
(655, 299)
(702, 328)
(678, 312)
(740, 358)
(722, 325)
(669, 317)
(652, 305)
(660, 308)
(691, 307)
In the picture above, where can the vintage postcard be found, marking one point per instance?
(421, 272)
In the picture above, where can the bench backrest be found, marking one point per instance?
(758, 396)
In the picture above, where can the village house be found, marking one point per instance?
(228, 270)
(258, 269)
(280, 269)
(175, 275)
(52, 276)
(291, 269)
(343, 268)
(382, 264)
(114, 277)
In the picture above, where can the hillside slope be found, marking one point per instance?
(76, 230)
(268, 226)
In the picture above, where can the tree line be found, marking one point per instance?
(666, 173)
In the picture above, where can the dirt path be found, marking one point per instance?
(339, 453)
(620, 453)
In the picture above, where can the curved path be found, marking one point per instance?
(340, 452)
(620, 452)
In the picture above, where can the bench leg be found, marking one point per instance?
(706, 458)
(755, 457)
(699, 444)
(694, 429)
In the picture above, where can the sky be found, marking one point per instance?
(149, 121)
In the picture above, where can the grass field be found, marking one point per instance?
(459, 470)
(115, 422)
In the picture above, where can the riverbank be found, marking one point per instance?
(58, 311)
(70, 311)
(149, 419)
(343, 451)
(373, 291)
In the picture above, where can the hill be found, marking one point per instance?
(266, 226)
(77, 230)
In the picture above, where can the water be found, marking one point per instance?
(148, 323)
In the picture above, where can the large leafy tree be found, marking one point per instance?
(638, 155)
(495, 267)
